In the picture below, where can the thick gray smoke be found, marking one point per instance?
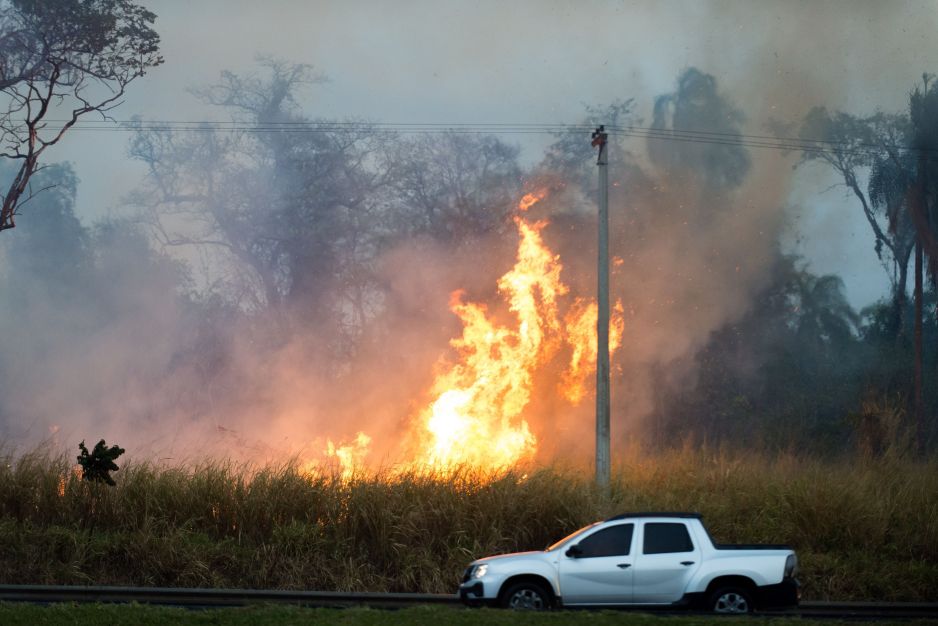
(111, 343)
(324, 308)
(91, 322)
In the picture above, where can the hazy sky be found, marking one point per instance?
(542, 61)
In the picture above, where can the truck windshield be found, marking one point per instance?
(572, 535)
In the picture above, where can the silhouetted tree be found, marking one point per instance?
(923, 204)
(856, 148)
(289, 217)
(697, 105)
(574, 159)
(786, 373)
(74, 54)
(97, 465)
(455, 187)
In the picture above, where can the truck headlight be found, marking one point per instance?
(480, 570)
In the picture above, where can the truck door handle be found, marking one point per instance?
(624, 565)
(687, 562)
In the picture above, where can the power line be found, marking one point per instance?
(789, 144)
(493, 127)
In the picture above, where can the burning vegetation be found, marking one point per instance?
(347, 354)
(476, 417)
(223, 525)
(370, 298)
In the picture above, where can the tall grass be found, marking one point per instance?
(863, 531)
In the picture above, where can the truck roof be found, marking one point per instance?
(655, 514)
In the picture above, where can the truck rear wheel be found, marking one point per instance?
(731, 601)
(526, 595)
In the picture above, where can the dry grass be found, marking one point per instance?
(863, 530)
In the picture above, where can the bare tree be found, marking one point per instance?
(574, 160)
(70, 57)
(287, 214)
(455, 187)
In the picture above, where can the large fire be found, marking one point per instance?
(476, 417)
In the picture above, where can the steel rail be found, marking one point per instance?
(215, 597)
(861, 610)
(205, 598)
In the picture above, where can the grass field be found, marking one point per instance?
(136, 615)
(863, 530)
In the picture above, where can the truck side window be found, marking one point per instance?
(662, 538)
(612, 541)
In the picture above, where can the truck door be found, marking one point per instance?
(599, 568)
(667, 560)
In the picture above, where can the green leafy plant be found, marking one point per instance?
(97, 465)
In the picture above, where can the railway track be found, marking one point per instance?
(206, 598)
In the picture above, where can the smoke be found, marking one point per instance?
(694, 236)
(91, 320)
(101, 336)
(129, 356)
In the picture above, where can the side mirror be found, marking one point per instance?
(574, 551)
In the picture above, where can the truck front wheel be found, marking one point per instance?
(526, 595)
(730, 600)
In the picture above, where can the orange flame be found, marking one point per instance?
(476, 417)
(581, 327)
(64, 479)
(530, 199)
(350, 456)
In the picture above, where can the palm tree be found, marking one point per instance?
(822, 313)
(888, 189)
(905, 176)
(903, 186)
(923, 114)
(843, 142)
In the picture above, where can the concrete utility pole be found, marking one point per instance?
(602, 319)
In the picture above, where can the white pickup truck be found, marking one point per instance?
(640, 559)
